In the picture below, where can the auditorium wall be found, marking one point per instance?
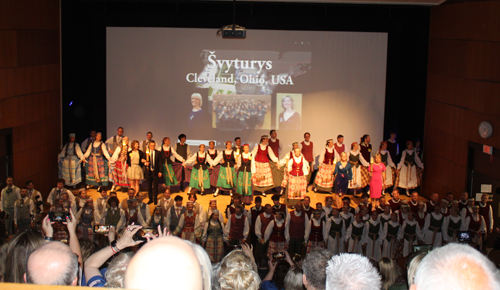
(30, 88)
(463, 89)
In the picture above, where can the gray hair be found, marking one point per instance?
(215, 276)
(198, 96)
(63, 254)
(444, 268)
(412, 268)
(238, 272)
(314, 267)
(293, 279)
(351, 272)
(115, 275)
(205, 264)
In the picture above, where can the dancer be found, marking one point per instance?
(477, 226)
(297, 168)
(307, 149)
(118, 165)
(486, 212)
(244, 182)
(277, 235)
(275, 144)
(213, 237)
(407, 169)
(324, 177)
(237, 227)
(23, 210)
(335, 229)
(154, 165)
(359, 181)
(410, 234)
(169, 155)
(213, 171)
(315, 232)
(395, 202)
(377, 183)
(262, 175)
(135, 161)
(339, 147)
(297, 221)
(182, 148)
(144, 144)
(261, 224)
(85, 216)
(115, 141)
(354, 235)
(452, 225)
(158, 219)
(253, 214)
(69, 162)
(342, 175)
(188, 227)
(390, 167)
(97, 166)
(174, 214)
(433, 227)
(374, 236)
(393, 146)
(227, 179)
(199, 176)
(391, 231)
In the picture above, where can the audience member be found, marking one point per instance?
(412, 263)
(20, 248)
(293, 279)
(277, 272)
(314, 266)
(4, 246)
(456, 266)
(351, 272)
(238, 272)
(390, 274)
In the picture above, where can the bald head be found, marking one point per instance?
(457, 267)
(169, 258)
(52, 264)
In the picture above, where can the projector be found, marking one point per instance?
(236, 32)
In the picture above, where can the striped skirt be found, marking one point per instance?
(97, 171)
(215, 248)
(214, 175)
(275, 247)
(70, 170)
(179, 171)
(118, 173)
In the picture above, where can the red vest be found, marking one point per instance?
(237, 227)
(307, 151)
(316, 232)
(297, 168)
(366, 151)
(297, 225)
(474, 226)
(329, 157)
(430, 207)
(278, 234)
(276, 147)
(420, 221)
(339, 149)
(261, 155)
(485, 212)
(395, 205)
(189, 222)
(265, 222)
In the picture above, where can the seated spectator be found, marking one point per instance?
(53, 263)
(412, 263)
(456, 266)
(20, 247)
(314, 267)
(4, 246)
(166, 262)
(391, 275)
(238, 272)
(351, 272)
(277, 272)
(293, 279)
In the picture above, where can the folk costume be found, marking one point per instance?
(411, 167)
(324, 177)
(262, 174)
(69, 163)
(97, 165)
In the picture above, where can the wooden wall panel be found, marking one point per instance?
(32, 79)
(36, 134)
(37, 47)
(6, 81)
(8, 49)
(29, 14)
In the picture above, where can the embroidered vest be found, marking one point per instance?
(278, 234)
(182, 150)
(336, 228)
(262, 155)
(329, 157)
(237, 227)
(297, 167)
(265, 222)
(307, 151)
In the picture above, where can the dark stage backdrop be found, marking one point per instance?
(84, 26)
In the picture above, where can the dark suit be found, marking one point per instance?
(152, 171)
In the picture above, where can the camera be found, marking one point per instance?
(58, 216)
(102, 230)
(278, 255)
(142, 233)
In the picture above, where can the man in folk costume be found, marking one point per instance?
(414, 202)
(101, 203)
(158, 219)
(335, 229)
(143, 208)
(169, 156)
(346, 201)
(410, 234)
(359, 167)
(421, 214)
(277, 235)
(445, 210)
(182, 148)
(395, 202)
(80, 198)
(315, 234)
(237, 227)
(237, 148)
(261, 224)
(216, 157)
(96, 168)
(154, 166)
(113, 216)
(433, 227)
(253, 214)
(404, 212)
(212, 238)
(391, 231)
(275, 144)
(262, 175)
(339, 147)
(166, 202)
(118, 165)
(133, 215)
(462, 203)
(86, 143)
(23, 210)
(324, 177)
(389, 165)
(69, 162)
(486, 212)
(124, 203)
(431, 203)
(354, 235)
(307, 150)
(306, 206)
(452, 225)
(57, 192)
(386, 215)
(277, 206)
(367, 152)
(85, 216)
(244, 183)
(226, 179)
(174, 214)
(189, 225)
(409, 169)
(374, 236)
(232, 208)
(477, 226)
(297, 168)
(469, 209)
(144, 144)
(115, 141)
(297, 221)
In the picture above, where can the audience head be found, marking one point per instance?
(20, 247)
(238, 272)
(412, 263)
(113, 201)
(280, 271)
(351, 272)
(115, 274)
(4, 247)
(205, 264)
(87, 248)
(293, 279)
(389, 272)
(170, 258)
(53, 263)
(456, 266)
(215, 276)
(314, 267)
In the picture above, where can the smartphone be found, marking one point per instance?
(58, 216)
(278, 255)
(102, 230)
(464, 237)
(144, 232)
(422, 248)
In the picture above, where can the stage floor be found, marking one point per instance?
(224, 200)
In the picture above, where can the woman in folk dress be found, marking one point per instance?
(390, 167)
(212, 237)
(298, 169)
(356, 159)
(226, 179)
(244, 183)
(199, 175)
(97, 165)
(342, 175)
(262, 174)
(118, 165)
(324, 177)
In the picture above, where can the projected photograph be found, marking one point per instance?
(288, 111)
(239, 112)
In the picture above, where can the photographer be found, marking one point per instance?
(277, 271)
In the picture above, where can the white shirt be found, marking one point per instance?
(15, 190)
(227, 229)
(258, 225)
(418, 162)
(270, 227)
